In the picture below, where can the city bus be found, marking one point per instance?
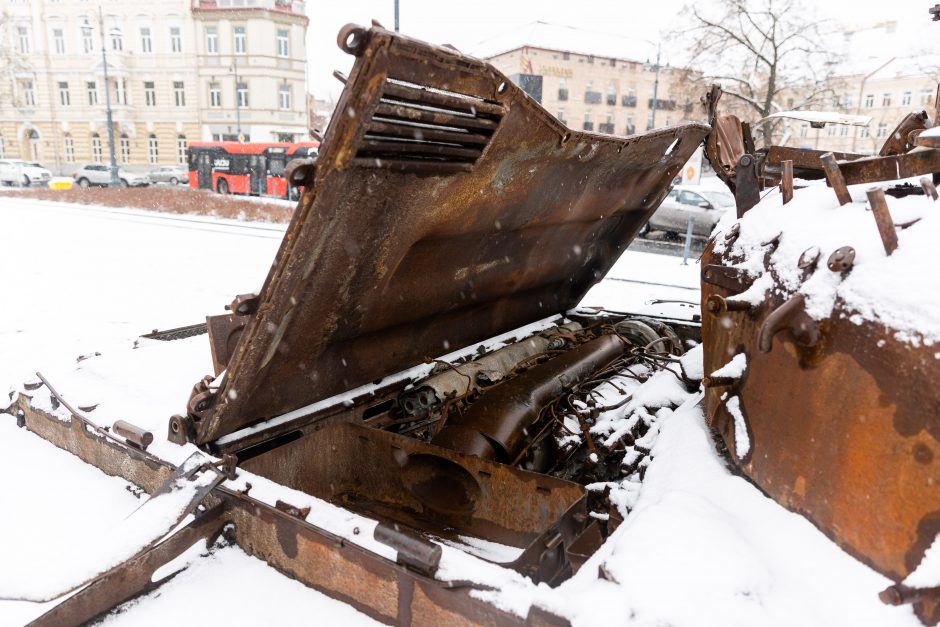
(254, 168)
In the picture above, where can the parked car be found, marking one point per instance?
(705, 205)
(100, 174)
(26, 173)
(172, 174)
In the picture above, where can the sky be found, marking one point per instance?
(466, 24)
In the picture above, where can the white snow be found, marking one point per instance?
(734, 368)
(927, 573)
(699, 546)
(742, 441)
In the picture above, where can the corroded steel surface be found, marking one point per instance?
(844, 432)
(411, 239)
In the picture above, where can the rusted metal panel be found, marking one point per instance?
(400, 249)
(843, 430)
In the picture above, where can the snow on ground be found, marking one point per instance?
(700, 547)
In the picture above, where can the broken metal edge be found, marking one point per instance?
(316, 557)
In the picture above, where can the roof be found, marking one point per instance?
(562, 38)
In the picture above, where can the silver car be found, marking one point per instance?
(99, 174)
(172, 174)
(706, 206)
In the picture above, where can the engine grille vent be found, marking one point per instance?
(417, 128)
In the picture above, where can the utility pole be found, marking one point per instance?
(396, 16)
(115, 180)
(238, 98)
(656, 87)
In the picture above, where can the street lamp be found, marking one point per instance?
(86, 30)
(238, 110)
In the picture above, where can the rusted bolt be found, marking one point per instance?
(922, 453)
(733, 232)
(717, 304)
(745, 160)
(809, 258)
(841, 259)
(719, 382)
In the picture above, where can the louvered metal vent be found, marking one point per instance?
(419, 129)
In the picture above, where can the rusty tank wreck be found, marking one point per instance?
(416, 356)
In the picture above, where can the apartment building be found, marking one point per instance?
(886, 93)
(178, 71)
(595, 81)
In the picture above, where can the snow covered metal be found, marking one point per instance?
(837, 412)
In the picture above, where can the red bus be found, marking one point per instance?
(249, 168)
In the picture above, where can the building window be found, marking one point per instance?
(176, 41)
(588, 125)
(212, 40)
(631, 127)
(29, 93)
(906, 98)
(886, 100)
(283, 43)
(96, 148)
(241, 94)
(848, 101)
(240, 42)
(120, 90)
(150, 94)
(125, 147)
(611, 94)
(215, 95)
(69, 148)
(863, 133)
(804, 129)
(58, 38)
(562, 89)
(92, 88)
(882, 130)
(869, 101)
(24, 43)
(87, 43)
(146, 41)
(925, 96)
(181, 149)
(561, 116)
(830, 130)
(65, 99)
(284, 96)
(117, 40)
(179, 93)
(153, 153)
(843, 130)
(3, 148)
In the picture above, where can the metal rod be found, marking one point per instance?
(132, 433)
(655, 88)
(238, 111)
(879, 209)
(688, 241)
(835, 178)
(396, 16)
(786, 181)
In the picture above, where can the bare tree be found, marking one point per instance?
(770, 55)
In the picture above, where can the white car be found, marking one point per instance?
(25, 173)
(706, 206)
(99, 174)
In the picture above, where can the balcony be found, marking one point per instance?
(606, 128)
(563, 94)
(663, 105)
(589, 126)
(628, 101)
(592, 97)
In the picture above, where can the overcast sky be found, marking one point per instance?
(465, 24)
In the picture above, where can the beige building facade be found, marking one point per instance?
(178, 71)
(601, 94)
(886, 94)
